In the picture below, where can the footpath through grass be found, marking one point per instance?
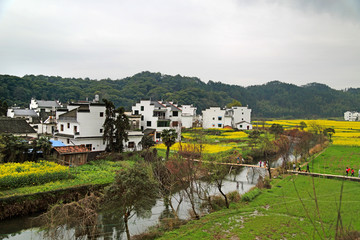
(93, 173)
(335, 159)
(278, 213)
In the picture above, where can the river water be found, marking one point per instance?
(240, 179)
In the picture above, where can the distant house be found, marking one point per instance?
(16, 127)
(235, 117)
(71, 155)
(158, 115)
(82, 124)
(351, 116)
(243, 125)
(28, 114)
(188, 116)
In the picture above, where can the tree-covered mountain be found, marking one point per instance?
(274, 99)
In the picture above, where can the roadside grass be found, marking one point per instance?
(277, 213)
(335, 159)
(93, 173)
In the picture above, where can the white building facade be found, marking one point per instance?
(235, 117)
(351, 116)
(188, 116)
(158, 116)
(83, 124)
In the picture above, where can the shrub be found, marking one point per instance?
(250, 196)
(233, 196)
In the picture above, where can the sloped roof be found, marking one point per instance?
(157, 104)
(69, 115)
(72, 149)
(25, 112)
(56, 143)
(43, 103)
(243, 122)
(15, 126)
(172, 106)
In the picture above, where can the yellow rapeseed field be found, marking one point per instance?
(346, 133)
(206, 148)
(30, 173)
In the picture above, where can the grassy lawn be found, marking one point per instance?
(278, 213)
(335, 159)
(96, 172)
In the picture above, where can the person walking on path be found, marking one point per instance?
(307, 168)
(347, 171)
(294, 166)
(352, 172)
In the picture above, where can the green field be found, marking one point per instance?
(335, 159)
(278, 213)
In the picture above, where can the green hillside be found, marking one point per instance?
(274, 99)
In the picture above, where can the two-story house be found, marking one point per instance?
(188, 116)
(235, 117)
(351, 116)
(157, 116)
(82, 124)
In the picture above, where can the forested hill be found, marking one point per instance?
(274, 99)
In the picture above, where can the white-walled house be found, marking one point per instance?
(158, 116)
(188, 116)
(215, 117)
(351, 116)
(83, 124)
(235, 117)
(28, 114)
(43, 108)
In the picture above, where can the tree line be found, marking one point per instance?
(271, 100)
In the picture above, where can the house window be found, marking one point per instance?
(142, 128)
(219, 125)
(219, 118)
(142, 118)
(213, 118)
(68, 141)
(175, 123)
(242, 113)
(136, 112)
(62, 127)
(240, 126)
(75, 129)
(131, 145)
(101, 114)
(68, 125)
(158, 135)
(163, 123)
(101, 130)
(175, 113)
(88, 146)
(148, 123)
(142, 108)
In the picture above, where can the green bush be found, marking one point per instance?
(250, 196)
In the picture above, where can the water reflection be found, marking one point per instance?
(111, 224)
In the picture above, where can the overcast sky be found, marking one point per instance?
(242, 42)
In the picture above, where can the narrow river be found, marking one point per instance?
(241, 180)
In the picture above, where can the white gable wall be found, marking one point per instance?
(213, 118)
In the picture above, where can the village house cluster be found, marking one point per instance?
(81, 123)
(351, 116)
